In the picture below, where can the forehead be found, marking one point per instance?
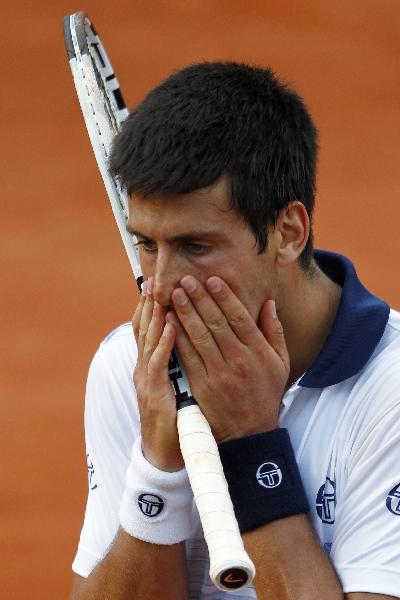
(207, 209)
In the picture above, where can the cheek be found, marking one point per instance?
(243, 285)
(252, 287)
(146, 264)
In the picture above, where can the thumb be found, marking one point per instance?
(272, 329)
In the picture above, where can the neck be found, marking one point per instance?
(307, 312)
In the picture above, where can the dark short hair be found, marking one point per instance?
(218, 119)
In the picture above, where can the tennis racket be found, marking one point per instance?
(104, 110)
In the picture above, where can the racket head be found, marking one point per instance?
(87, 42)
(103, 109)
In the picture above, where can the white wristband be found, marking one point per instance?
(156, 505)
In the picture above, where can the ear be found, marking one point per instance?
(293, 229)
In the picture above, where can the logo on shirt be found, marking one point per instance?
(393, 500)
(328, 547)
(269, 475)
(150, 504)
(90, 468)
(326, 501)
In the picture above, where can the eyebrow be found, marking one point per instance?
(187, 235)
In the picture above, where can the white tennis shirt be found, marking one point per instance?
(343, 416)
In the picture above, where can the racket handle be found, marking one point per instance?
(230, 566)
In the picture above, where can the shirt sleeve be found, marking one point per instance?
(366, 543)
(111, 427)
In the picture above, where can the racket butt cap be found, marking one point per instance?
(229, 576)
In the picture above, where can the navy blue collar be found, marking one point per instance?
(359, 325)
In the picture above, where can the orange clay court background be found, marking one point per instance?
(66, 281)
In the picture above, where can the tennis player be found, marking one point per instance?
(293, 362)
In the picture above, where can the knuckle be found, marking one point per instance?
(202, 338)
(216, 322)
(147, 349)
(260, 350)
(224, 382)
(240, 367)
(190, 357)
(135, 322)
(238, 319)
(278, 327)
(153, 366)
(136, 376)
(136, 369)
(138, 311)
(279, 338)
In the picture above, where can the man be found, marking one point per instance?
(293, 362)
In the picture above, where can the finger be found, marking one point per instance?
(236, 314)
(158, 364)
(145, 317)
(199, 334)
(154, 330)
(272, 329)
(191, 359)
(138, 313)
(212, 316)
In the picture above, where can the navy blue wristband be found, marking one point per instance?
(263, 478)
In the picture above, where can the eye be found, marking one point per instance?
(146, 245)
(197, 249)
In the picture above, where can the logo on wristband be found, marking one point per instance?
(269, 475)
(150, 504)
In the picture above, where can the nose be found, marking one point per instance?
(166, 276)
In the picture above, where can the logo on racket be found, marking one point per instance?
(326, 501)
(393, 500)
(234, 578)
(150, 504)
(269, 475)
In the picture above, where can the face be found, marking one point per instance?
(198, 234)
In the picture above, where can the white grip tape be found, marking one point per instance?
(210, 490)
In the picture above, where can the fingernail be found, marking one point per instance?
(180, 297)
(273, 309)
(189, 284)
(150, 285)
(214, 284)
(144, 288)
